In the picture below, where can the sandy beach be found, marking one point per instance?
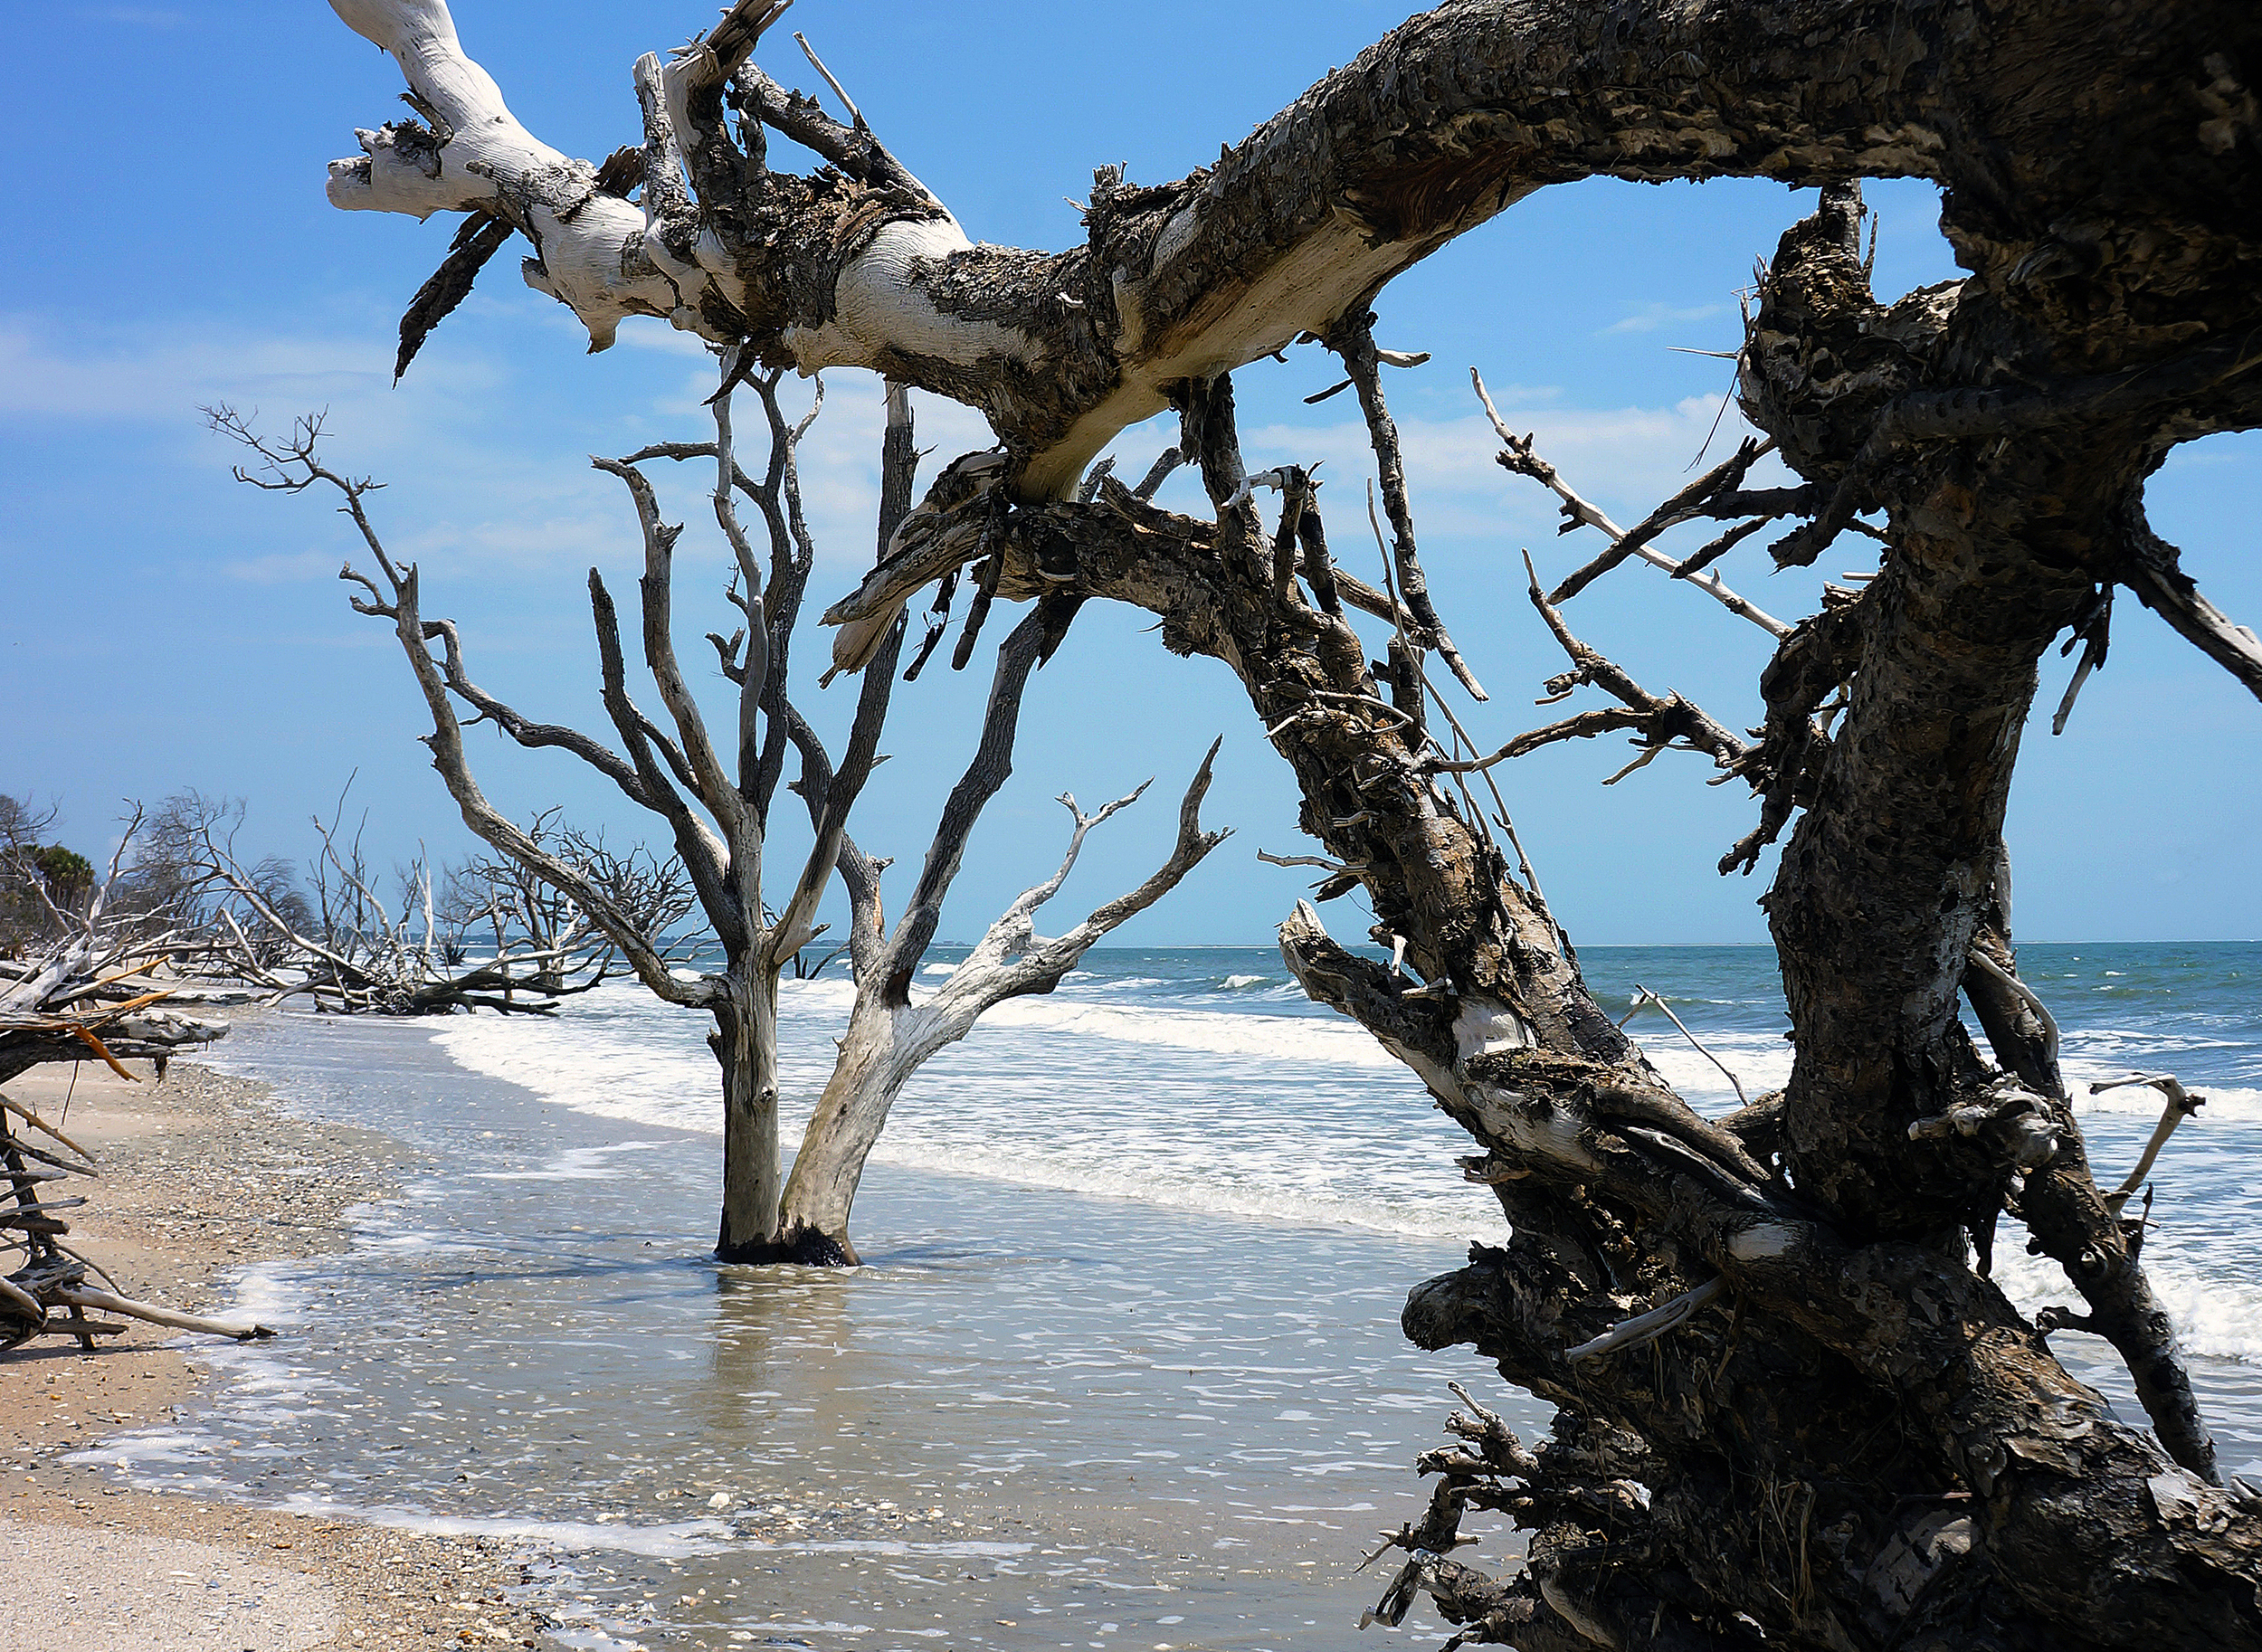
(202, 1175)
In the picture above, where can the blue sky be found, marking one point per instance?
(164, 627)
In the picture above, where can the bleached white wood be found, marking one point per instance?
(886, 1043)
(597, 254)
(592, 257)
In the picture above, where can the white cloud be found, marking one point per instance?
(281, 567)
(165, 377)
(1650, 317)
(604, 533)
(1624, 460)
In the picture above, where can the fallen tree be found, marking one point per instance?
(1833, 1430)
(92, 991)
(48, 1294)
(344, 949)
(93, 987)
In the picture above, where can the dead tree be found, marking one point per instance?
(1792, 1410)
(49, 1294)
(92, 989)
(38, 881)
(344, 950)
(717, 812)
(539, 935)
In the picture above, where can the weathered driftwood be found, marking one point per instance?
(1860, 1444)
(2180, 1104)
(93, 991)
(90, 995)
(87, 1296)
(343, 949)
(48, 1294)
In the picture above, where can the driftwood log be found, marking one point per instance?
(91, 995)
(1841, 1435)
(481, 935)
(102, 986)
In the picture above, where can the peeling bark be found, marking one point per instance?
(1444, 123)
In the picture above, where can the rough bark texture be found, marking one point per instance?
(1842, 1435)
(2066, 119)
(744, 1042)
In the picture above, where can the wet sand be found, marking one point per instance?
(202, 1175)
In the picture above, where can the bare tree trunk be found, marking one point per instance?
(889, 1036)
(878, 1052)
(745, 1041)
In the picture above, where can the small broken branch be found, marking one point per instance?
(2181, 1105)
(1643, 995)
(1687, 504)
(1645, 1328)
(2093, 635)
(1519, 455)
(476, 238)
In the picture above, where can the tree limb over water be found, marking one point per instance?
(1857, 1442)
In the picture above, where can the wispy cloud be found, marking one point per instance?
(1650, 317)
(1624, 459)
(160, 377)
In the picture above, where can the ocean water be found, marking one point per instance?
(1125, 1368)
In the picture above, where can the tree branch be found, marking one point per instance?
(2155, 573)
(1352, 339)
(712, 784)
(1518, 455)
(1426, 136)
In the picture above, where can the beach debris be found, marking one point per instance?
(485, 934)
(82, 999)
(49, 1295)
(89, 990)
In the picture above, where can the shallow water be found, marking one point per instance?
(1126, 1370)
(1035, 1419)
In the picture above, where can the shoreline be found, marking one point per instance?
(1038, 1412)
(204, 1175)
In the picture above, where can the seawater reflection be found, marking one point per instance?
(1039, 1418)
